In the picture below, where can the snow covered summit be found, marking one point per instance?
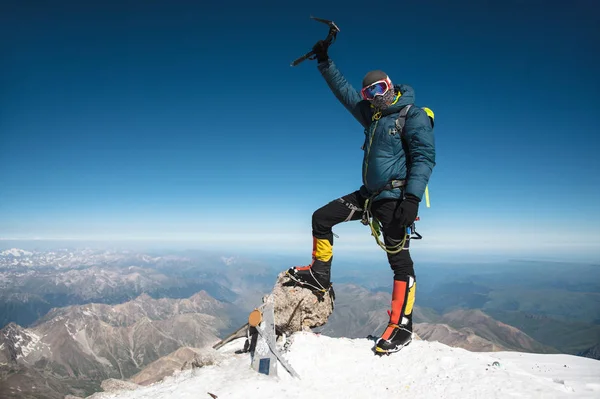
(15, 252)
(346, 368)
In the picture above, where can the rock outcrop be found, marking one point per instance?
(297, 308)
(182, 359)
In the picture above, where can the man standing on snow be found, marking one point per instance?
(397, 165)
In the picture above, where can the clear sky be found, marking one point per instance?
(185, 120)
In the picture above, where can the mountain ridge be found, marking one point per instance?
(85, 344)
(360, 312)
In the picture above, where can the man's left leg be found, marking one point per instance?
(399, 330)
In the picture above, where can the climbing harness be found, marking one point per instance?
(376, 228)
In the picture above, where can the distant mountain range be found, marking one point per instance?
(555, 303)
(32, 283)
(474, 330)
(73, 318)
(360, 312)
(73, 349)
(15, 253)
(592, 353)
(16, 258)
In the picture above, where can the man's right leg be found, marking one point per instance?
(398, 333)
(317, 274)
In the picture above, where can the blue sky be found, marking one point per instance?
(130, 120)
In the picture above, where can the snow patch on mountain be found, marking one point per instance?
(26, 342)
(229, 260)
(17, 253)
(347, 368)
(67, 259)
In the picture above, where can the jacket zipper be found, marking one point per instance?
(371, 134)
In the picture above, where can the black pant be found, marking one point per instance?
(350, 207)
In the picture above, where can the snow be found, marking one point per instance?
(228, 260)
(31, 346)
(69, 331)
(347, 368)
(15, 252)
(66, 259)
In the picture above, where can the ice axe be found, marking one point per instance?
(333, 31)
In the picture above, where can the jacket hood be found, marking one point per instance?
(407, 97)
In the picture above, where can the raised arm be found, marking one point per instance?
(343, 90)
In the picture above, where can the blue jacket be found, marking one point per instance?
(387, 156)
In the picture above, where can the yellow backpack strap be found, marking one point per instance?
(430, 114)
(401, 121)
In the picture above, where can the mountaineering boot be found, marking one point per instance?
(315, 276)
(398, 333)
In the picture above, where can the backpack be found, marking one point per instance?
(401, 121)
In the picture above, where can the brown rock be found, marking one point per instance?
(182, 359)
(297, 308)
(113, 385)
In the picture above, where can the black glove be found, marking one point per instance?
(407, 211)
(320, 49)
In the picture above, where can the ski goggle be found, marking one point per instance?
(378, 88)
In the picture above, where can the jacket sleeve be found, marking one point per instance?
(344, 92)
(420, 142)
